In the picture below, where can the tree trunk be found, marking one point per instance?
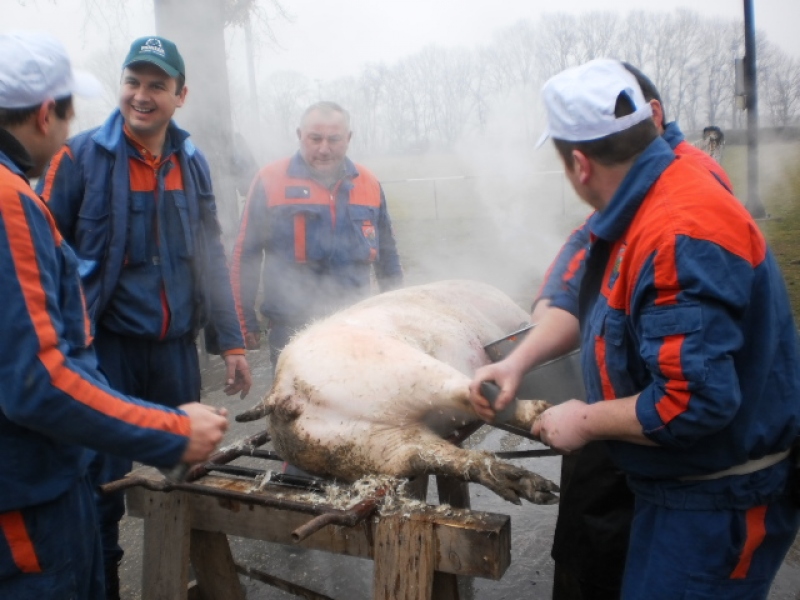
(197, 27)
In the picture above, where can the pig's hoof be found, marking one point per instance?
(513, 483)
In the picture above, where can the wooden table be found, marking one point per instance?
(416, 555)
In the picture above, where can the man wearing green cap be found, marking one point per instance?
(134, 199)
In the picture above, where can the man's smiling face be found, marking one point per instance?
(148, 98)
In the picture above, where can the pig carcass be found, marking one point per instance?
(374, 388)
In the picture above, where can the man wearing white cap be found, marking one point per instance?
(55, 403)
(689, 350)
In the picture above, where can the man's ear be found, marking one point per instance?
(298, 133)
(658, 113)
(45, 115)
(582, 166)
(182, 96)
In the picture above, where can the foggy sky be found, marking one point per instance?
(339, 39)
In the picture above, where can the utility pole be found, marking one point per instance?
(753, 204)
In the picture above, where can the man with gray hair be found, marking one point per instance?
(689, 351)
(320, 225)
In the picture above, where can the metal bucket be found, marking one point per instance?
(556, 381)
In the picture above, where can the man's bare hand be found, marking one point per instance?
(237, 375)
(564, 427)
(505, 377)
(252, 341)
(208, 427)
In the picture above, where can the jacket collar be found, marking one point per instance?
(673, 134)
(17, 157)
(610, 223)
(110, 134)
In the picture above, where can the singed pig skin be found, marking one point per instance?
(373, 388)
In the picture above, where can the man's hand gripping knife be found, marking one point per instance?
(208, 426)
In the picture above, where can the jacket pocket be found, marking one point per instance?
(672, 341)
(624, 369)
(91, 231)
(182, 238)
(136, 245)
(300, 233)
(364, 233)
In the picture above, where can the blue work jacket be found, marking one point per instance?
(691, 314)
(87, 187)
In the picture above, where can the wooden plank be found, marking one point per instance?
(471, 543)
(454, 492)
(165, 561)
(214, 567)
(404, 559)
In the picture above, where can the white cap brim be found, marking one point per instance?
(85, 84)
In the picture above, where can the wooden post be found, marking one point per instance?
(404, 559)
(214, 566)
(165, 575)
(455, 493)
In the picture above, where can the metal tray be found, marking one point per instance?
(556, 381)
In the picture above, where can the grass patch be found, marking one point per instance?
(782, 230)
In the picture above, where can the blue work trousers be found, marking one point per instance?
(166, 373)
(52, 550)
(707, 554)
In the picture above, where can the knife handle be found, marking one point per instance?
(490, 390)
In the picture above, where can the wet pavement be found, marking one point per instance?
(529, 576)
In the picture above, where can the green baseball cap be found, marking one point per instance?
(159, 51)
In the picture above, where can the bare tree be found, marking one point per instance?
(284, 96)
(597, 34)
(557, 43)
(780, 86)
(635, 40)
(513, 57)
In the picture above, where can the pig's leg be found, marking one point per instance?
(437, 457)
(526, 413)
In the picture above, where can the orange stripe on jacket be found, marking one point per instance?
(756, 531)
(236, 259)
(55, 163)
(676, 399)
(23, 254)
(602, 368)
(22, 550)
(85, 392)
(300, 238)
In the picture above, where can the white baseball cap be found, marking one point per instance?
(34, 67)
(580, 102)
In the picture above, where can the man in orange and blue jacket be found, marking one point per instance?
(689, 351)
(56, 406)
(590, 542)
(134, 199)
(320, 225)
